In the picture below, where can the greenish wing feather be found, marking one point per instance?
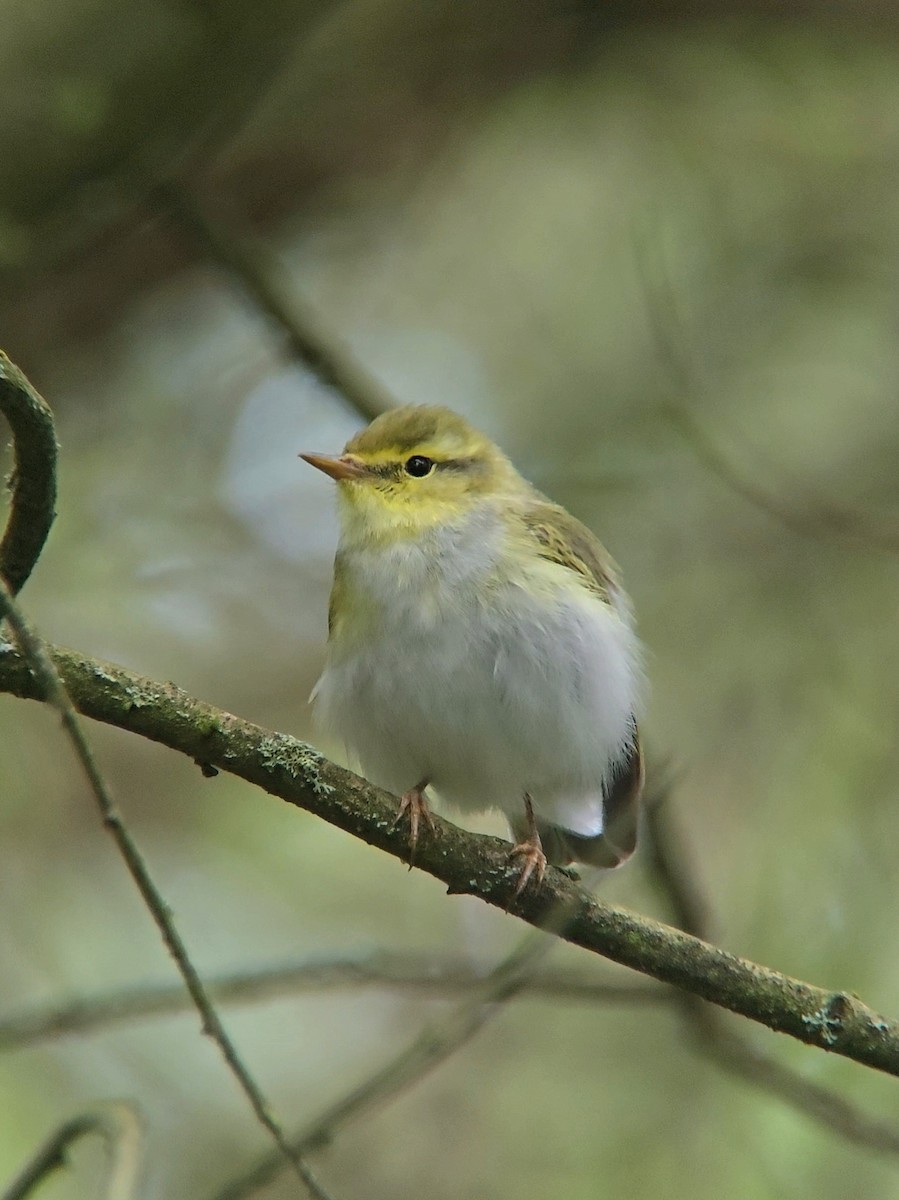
(562, 539)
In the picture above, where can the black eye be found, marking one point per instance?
(419, 466)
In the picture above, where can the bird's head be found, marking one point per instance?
(414, 468)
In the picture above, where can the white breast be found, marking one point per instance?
(486, 689)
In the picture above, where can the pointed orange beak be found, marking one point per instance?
(345, 467)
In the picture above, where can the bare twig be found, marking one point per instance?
(834, 1021)
(32, 483)
(430, 1048)
(818, 519)
(815, 518)
(738, 1057)
(677, 878)
(666, 853)
(119, 1126)
(43, 670)
(437, 976)
(248, 262)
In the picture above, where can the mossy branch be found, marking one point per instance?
(466, 862)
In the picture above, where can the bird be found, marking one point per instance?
(481, 647)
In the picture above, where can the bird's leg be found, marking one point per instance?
(414, 803)
(530, 851)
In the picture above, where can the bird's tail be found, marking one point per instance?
(621, 813)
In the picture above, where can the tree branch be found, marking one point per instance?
(32, 482)
(248, 263)
(670, 866)
(432, 1046)
(434, 975)
(465, 862)
(44, 671)
(807, 516)
(118, 1125)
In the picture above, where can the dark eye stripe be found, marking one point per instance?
(459, 464)
(394, 470)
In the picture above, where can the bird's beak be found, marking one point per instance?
(345, 467)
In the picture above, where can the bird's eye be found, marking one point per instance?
(419, 466)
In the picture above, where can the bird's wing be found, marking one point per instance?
(562, 539)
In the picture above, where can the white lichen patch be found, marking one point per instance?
(299, 759)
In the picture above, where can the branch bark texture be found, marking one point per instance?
(466, 862)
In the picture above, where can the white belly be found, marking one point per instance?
(487, 699)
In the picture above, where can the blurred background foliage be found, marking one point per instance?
(576, 223)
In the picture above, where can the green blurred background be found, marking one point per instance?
(609, 234)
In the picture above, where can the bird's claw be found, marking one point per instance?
(414, 803)
(534, 863)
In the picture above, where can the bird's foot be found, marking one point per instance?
(530, 851)
(414, 803)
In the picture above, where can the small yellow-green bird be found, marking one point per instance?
(480, 644)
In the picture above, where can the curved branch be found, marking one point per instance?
(118, 1125)
(32, 483)
(440, 977)
(44, 670)
(466, 862)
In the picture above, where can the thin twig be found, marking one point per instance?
(435, 976)
(737, 1056)
(677, 878)
(32, 483)
(667, 856)
(119, 1126)
(43, 669)
(430, 1048)
(247, 261)
(812, 518)
(826, 1025)
(820, 519)
(440, 977)
(468, 863)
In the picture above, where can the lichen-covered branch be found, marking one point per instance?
(465, 862)
(32, 483)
